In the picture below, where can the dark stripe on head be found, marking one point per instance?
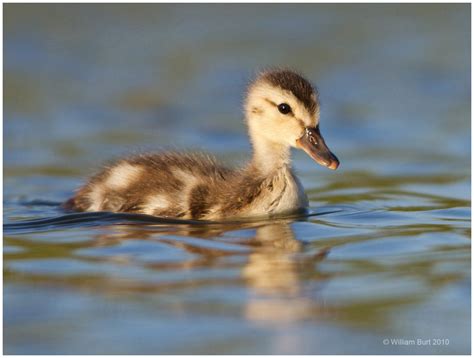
(296, 84)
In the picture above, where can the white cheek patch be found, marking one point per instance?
(122, 176)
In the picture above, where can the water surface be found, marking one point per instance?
(384, 252)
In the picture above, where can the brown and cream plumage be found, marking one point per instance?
(281, 111)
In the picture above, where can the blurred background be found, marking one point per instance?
(86, 83)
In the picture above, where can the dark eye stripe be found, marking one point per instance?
(270, 101)
(278, 106)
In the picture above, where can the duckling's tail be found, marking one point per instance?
(69, 205)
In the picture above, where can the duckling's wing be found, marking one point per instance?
(162, 184)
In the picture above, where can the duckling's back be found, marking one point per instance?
(176, 185)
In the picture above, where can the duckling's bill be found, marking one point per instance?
(314, 145)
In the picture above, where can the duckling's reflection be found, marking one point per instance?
(276, 273)
(270, 269)
(276, 267)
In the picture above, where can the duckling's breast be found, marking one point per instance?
(281, 192)
(287, 194)
(292, 197)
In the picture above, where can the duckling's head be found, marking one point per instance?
(282, 109)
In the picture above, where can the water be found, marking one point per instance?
(384, 252)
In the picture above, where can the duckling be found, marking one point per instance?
(281, 111)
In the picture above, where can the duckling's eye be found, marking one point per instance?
(284, 108)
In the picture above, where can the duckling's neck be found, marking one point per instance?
(270, 156)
